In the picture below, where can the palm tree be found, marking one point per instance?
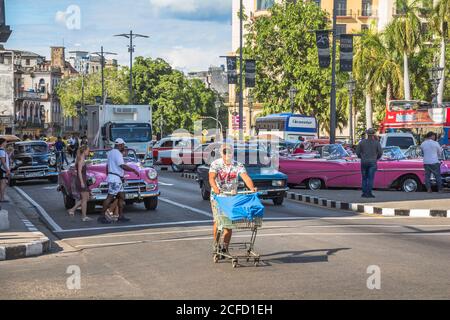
(439, 23)
(377, 70)
(405, 33)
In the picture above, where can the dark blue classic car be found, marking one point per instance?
(33, 160)
(271, 183)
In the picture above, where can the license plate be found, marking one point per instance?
(131, 195)
(34, 174)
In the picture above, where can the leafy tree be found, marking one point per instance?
(70, 89)
(405, 34)
(286, 54)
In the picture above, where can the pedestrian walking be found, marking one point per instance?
(4, 169)
(81, 184)
(432, 152)
(60, 147)
(224, 176)
(369, 151)
(116, 195)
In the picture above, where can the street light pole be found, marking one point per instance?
(217, 104)
(250, 106)
(333, 80)
(131, 36)
(351, 84)
(102, 54)
(241, 67)
(292, 94)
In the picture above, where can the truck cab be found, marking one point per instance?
(403, 140)
(132, 123)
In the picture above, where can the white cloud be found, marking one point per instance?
(192, 59)
(60, 17)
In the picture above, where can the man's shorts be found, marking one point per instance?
(114, 188)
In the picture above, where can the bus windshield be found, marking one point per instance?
(408, 105)
(131, 133)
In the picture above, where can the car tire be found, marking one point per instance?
(53, 179)
(410, 184)
(314, 184)
(205, 194)
(69, 202)
(151, 203)
(278, 201)
(176, 168)
(90, 207)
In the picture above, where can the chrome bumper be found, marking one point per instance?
(135, 196)
(33, 175)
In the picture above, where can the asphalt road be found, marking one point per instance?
(308, 252)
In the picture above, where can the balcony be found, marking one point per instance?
(32, 95)
(345, 14)
(367, 14)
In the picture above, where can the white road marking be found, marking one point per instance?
(205, 213)
(136, 226)
(165, 184)
(41, 210)
(50, 188)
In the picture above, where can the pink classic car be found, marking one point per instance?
(142, 188)
(335, 168)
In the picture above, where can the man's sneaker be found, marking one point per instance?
(364, 196)
(103, 220)
(123, 219)
(370, 195)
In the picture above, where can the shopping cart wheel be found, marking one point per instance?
(216, 258)
(234, 262)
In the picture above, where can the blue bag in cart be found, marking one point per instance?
(241, 206)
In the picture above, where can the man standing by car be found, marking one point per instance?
(432, 152)
(116, 170)
(369, 151)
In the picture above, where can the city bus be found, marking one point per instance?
(417, 117)
(287, 126)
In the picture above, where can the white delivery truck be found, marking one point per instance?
(132, 123)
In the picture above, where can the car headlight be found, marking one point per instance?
(277, 183)
(241, 184)
(91, 180)
(152, 174)
(52, 161)
(18, 163)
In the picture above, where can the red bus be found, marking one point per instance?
(417, 117)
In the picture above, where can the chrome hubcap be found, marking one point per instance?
(410, 185)
(315, 184)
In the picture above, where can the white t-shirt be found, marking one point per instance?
(431, 151)
(3, 154)
(115, 160)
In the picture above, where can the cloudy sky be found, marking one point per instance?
(190, 34)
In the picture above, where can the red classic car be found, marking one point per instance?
(142, 188)
(335, 168)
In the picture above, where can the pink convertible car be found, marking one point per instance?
(142, 188)
(335, 168)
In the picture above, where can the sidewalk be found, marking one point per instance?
(22, 239)
(388, 203)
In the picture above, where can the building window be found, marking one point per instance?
(364, 27)
(366, 8)
(42, 86)
(27, 62)
(341, 29)
(264, 4)
(317, 2)
(341, 7)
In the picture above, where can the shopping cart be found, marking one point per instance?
(224, 220)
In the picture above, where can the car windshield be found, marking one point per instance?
(401, 142)
(334, 151)
(102, 155)
(131, 133)
(32, 148)
(393, 153)
(255, 158)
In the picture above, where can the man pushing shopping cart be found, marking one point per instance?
(233, 210)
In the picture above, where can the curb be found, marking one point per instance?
(32, 249)
(363, 208)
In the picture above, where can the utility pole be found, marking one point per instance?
(102, 54)
(333, 80)
(351, 85)
(131, 36)
(241, 67)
